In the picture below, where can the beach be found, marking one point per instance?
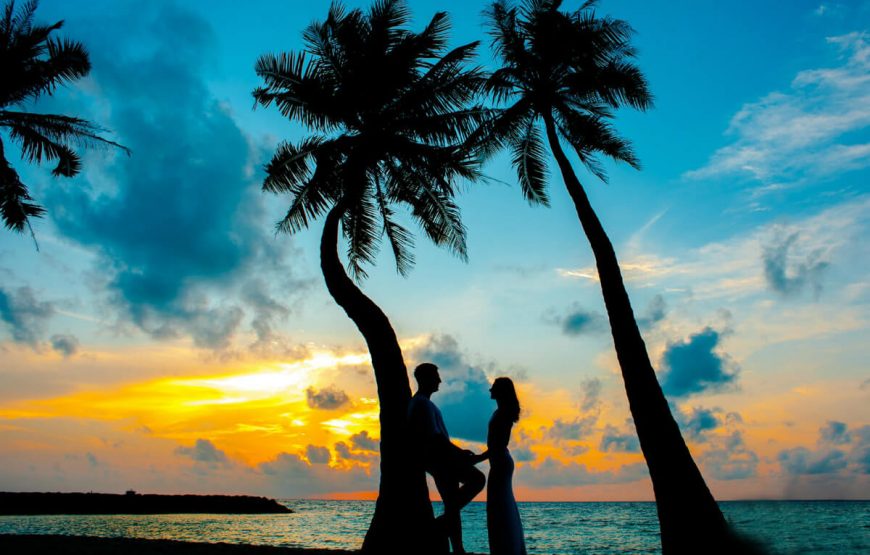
(89, 545)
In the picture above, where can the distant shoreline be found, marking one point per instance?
(132, 503)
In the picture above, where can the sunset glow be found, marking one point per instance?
(164, 338)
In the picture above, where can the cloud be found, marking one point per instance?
(591, 390)
(860, 454)
(791, 280)
(268, 313)
(317, 455)
(730, 459)
(65, 344)
(576, 429)
(203, 451)
(655, 312)
(463, 398)
(729, 269)
(616, 441)
(344, 452)
(551, 473)
(692, 367)
(801, 460)
(179, 224)
(24, 315)
(328, 398)
(92, 459)
(806, 130)
(523, 454)
(363, 441)
(292, 476)
(577, 321)
(699, 422)
(834, 432)
(830, 455)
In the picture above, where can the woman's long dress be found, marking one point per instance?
(502, 516)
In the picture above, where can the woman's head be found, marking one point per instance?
(505, 394)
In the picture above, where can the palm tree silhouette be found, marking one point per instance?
(570, 70)
(33, 64)
(389, 113)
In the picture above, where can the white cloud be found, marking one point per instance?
(802, 132)
(734, 268)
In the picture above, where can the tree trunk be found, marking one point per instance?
(403, 513)
(689, 517)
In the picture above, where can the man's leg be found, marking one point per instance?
(456, 497)
(473, 481)
(448, 488)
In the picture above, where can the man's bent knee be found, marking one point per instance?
(476, 479)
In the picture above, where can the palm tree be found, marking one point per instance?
(388, 111)
(33, 64)
(570, 71)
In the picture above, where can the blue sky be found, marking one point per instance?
(742, 240)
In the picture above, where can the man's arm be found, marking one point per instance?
(428, 428)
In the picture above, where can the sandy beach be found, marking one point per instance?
(88, 545)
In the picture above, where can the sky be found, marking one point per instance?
(164, 338)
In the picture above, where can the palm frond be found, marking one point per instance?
(431, 201)
(394, 110)
(440, 218)
(573, 66)
(499, 127)
(426, 44)
(311, 190)
(291, 164)
(400, 239)
(59, 128)
(360, 228)
(296, 88)
(15, 205)
(616, 83)
(502, 84)
(508, 41)
(529, 159)
(33, 63)
(590, 135)
(68, 163)
(385, 21)
(446, 85)
(67, 61)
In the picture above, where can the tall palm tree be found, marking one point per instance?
(32, 64)
(388, 112)
(569, 71)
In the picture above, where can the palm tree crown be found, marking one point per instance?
(571, 69)
(33, 64)
(390, 111)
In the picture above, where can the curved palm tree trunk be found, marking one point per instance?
(403, 513)
(689, 517)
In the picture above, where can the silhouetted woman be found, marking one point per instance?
(502, 517)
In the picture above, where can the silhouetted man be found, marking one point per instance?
(448, 464)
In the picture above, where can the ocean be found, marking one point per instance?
(785, 527)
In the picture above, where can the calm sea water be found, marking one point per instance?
(786, 527)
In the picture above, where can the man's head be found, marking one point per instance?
(427, 377)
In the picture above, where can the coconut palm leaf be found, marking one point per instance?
(34, 63)
(391, 109)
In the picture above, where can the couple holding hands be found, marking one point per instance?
(453, 470)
